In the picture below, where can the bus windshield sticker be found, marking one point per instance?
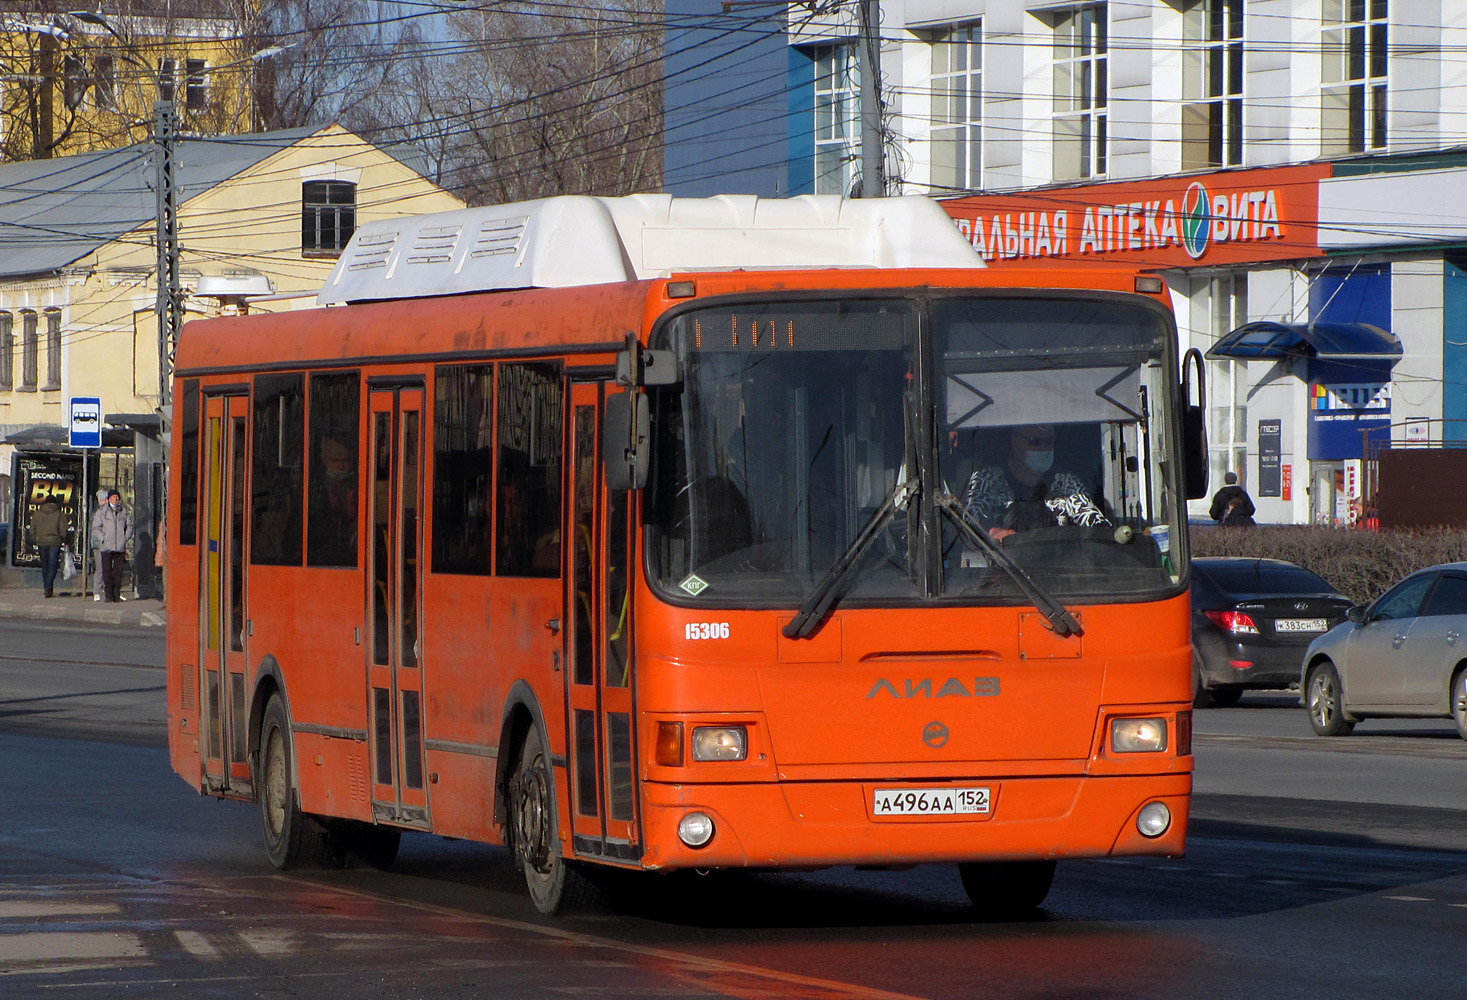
(694, 584)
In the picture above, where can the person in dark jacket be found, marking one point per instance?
(111, 531)
(1222, 500)
(48, 532)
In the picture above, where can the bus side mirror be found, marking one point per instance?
(626, 426)
(1194, 452)
(1194, 427)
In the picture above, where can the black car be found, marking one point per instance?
(1252, 619)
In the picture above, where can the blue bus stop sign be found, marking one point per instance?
(86, 421)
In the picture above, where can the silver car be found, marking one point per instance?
(1404, 654)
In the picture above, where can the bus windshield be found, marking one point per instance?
(1040, 422)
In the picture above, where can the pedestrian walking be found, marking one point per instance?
(111, 531)
(1222, 500)
(49, 526)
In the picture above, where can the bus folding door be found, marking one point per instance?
(601, 719)
(394, 674)
(224, 737)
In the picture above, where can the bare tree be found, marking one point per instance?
(546, 99)
(339, 63)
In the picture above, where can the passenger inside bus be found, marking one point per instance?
(1024, 490)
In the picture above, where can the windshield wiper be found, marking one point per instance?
(837, 579)
(1059, 616)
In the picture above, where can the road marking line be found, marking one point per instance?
(1410, 899)
(17, 909)
(197, 945)
(72, 946)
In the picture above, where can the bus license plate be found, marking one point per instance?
(1300, 625)
(929, 801)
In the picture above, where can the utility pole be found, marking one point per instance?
(873, 174)
(170, 289)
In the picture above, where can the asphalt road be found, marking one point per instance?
(1317, 868)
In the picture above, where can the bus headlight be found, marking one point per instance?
(720, 743)
(1137, 735)
(1153, 819)
(695, 829)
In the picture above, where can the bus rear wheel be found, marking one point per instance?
(555, 882)
(999, 889)
(293, 839)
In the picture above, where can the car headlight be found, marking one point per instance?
(1137, 735)
(720, 743)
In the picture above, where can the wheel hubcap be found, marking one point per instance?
(274, 783)
(531, 823)
(1321, 699)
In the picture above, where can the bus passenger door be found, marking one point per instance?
(394, 677)
(223, 736)
(603, 789)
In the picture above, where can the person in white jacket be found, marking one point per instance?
(111, 531)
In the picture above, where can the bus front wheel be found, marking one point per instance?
(293, 839)
(556, 883)
(999, 889)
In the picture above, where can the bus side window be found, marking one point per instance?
(277, 478)
(463, 450)
(331, 514)
(531, 407)
(188, 501)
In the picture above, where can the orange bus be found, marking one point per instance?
(662, 533)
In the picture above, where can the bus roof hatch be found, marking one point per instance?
(581, 240)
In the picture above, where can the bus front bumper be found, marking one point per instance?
(816, 824)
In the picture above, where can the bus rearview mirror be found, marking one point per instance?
(626, 428)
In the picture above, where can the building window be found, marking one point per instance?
(957, 108)
(53, 349)
(7, 350)
(837, 121)
(1227, 382)
(196, 85)
(104, 80)
(328, 215)
(1212, 84)
(167, 78)
(1080, 92)
(1354, 84)
(29, 349)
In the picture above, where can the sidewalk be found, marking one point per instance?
(70, 606)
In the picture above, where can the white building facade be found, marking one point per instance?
(1301, 163)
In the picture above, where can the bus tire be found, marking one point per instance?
(1324, 697)
(293, 839)
(556, 883)
(1002, 889)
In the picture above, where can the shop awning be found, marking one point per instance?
(1325, 341)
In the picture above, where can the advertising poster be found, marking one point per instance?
(34, 478)
(1270, 458)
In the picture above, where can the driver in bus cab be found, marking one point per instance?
(1025, 491)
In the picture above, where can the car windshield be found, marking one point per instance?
(1263, 578)
(797, 421)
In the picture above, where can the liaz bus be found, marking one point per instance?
(657, 534)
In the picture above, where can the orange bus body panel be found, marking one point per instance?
(830, 718)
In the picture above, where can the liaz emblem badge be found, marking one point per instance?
(694, 584)
(934, 734)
